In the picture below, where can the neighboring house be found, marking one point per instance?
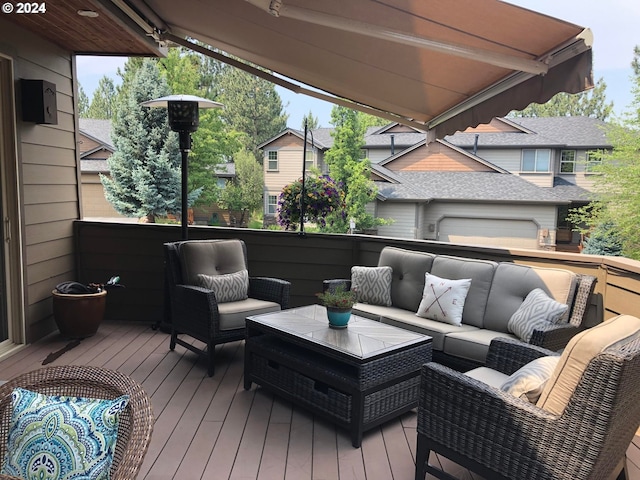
(95, 146)
(507, 183)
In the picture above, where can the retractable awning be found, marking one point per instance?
(442, 65)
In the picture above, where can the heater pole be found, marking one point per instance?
(185, 147)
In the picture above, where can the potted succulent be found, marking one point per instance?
(339, 301)
(79, 309)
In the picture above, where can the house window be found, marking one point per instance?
(594, 159)
(272, 161)
(364, 153)
(536, 160)
(308, 160)
(272, 204)
(567, 161)
(222, 182)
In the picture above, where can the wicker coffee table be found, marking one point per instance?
(357, 377)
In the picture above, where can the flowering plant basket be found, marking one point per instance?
(322, 196)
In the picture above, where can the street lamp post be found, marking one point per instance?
(184, 118)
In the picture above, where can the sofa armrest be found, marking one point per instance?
(507, 355)
(335, 283)
(271, 290)
(554, 336)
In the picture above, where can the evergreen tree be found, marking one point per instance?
(244, 193)
(592, 103)
(310, 121)
(145, 167)
(103, 100)
(83, 102)
(604, 240)
(251, 106)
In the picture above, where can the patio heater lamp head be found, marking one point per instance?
(184, 119)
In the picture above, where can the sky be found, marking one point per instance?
(614, 24)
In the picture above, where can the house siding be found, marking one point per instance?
(436, 157)
(403, 216)
(48, 180)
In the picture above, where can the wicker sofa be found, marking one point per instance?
(497, 290)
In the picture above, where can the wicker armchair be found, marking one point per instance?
(135, 424)
(499, 436)
(196, 312)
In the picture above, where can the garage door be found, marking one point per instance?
(489, 231)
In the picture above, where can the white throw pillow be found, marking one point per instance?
(537, 310)
(231, 287)
(528, 382)
(372, 284)
(443, 299)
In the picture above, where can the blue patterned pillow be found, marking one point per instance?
(231, 287)
(537, 310)
(62, 438)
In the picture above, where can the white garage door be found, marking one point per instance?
(489, 231)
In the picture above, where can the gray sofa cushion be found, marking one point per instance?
(409, 268)
(438, 331)
(472, 345)
(511, 285)
(481, 274)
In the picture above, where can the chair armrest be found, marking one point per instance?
(507, 355)
(582, 300)
(194, 309)
(458, 411)
(554, 336)
(270, 289)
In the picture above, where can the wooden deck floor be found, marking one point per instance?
(211, 428)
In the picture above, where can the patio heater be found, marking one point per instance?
(183, 118)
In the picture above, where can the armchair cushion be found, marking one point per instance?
(61, 437)
(536, 311)
(372, 284)
(575, 358)
(231, 287)
(210, 257)
(527, 382)
(443, 299)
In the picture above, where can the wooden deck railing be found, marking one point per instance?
(134, 251)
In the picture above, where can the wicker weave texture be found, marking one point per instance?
(519, 440)
(136, 421)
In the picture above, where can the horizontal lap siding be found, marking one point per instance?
(49, 180)
(403, 216)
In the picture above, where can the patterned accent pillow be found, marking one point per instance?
(56, 437)
(537, 310)
(443, 299)
(372, 284)
(231, 287)
(528, 382)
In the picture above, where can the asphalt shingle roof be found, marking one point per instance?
(98, 129)
(570, 191)
(577, 132)
(470, 186)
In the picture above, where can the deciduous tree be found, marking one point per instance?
(244, 192)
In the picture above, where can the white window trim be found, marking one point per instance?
(536, 150)
(575, 160)
(269, 160)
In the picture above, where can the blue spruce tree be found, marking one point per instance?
(145, 167)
